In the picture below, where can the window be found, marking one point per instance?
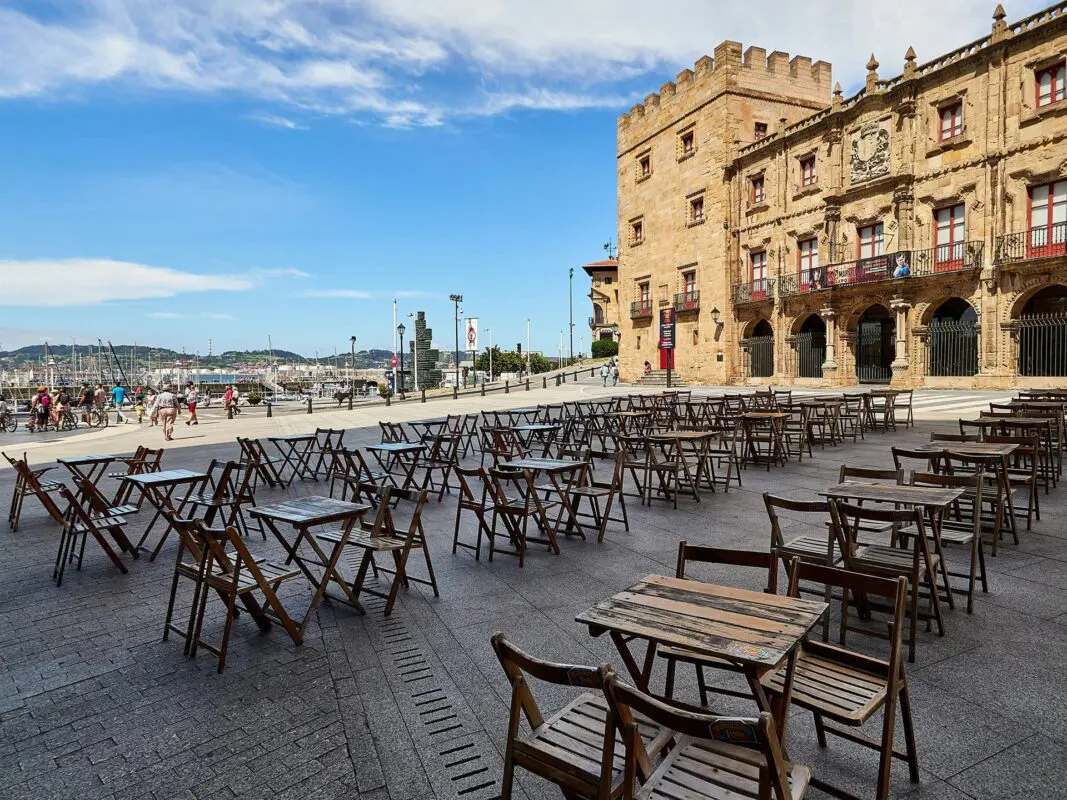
(759, 131)
(598, 315)
(1048, 219)
(758, 195)
(644, 296)
(696, 210)
(644, 166)
(807, 171)
(871, 240)
(808, 251)
(637, 232)
(758, 265)
(1050, 84)
(689, 283)
(949, 238)
(951, 122)
(607, 279)
(686, 144)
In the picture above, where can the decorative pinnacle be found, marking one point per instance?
(910, 55)
(837, 89)
(873, 64)
(998, 13)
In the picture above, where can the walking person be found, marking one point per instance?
(86, 404)
(227, 401)
(118, 396)
(152, 406)
(615, 375)
(167, 410)
(236, 400)
(604, 372)
(192, 396)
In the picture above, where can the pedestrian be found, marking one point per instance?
(87, 404)
(167, 410)
(100, 397)
(604, 371)
(227, 400)
(39, 409)
(118, 396)
(615, 375)
(62, 404)
(192, 396)
(236, 400)
(152, 406)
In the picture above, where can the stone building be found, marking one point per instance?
(913, 233)
(606, 321)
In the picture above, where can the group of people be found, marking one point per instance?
(610, 370)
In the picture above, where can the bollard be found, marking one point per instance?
(557, 380)
(483, 388)
(455, 392)
(564, 377)
(544, 383)
(424, 395)
(507, 387)
(270, 410)
(527, 384)
(388, 400)
(309, 405)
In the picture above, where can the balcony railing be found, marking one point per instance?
(947, 258)
(687, 301)
(1043, 242)
(754, 291)
(592, 323)
(641, 310)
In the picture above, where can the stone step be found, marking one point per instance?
(658, 377)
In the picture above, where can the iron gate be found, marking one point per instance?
(1043, 345)
(876, 348)
(810, 354)
(952, 348)
(760, 356)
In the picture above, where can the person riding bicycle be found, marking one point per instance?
(62, 404)
(39, 408)
(87, 403)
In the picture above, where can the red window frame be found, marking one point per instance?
(693, 209)
(876, 240)
(759, 131)
(1046, 236)
(808, 175)
(953, 115)
(1057, 74)
(948, 250)
(808, 263)
(757, 266)
(759, 193)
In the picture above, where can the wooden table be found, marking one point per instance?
(754, 630)
(698, 443)
(296, 450)
(775, 420)
(87, 468)
(543, 432)
(302, 514)
(159, 488)
(563, 474)
(406, 455)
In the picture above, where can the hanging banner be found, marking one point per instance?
(666, 329)
(472, 334)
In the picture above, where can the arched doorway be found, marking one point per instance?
(811, 347)
(952, 343)
(598, 314)
(760, 347)
(1043, 334)
(876, 345)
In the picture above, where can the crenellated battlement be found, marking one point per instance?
(731, 68)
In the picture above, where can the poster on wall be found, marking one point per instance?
(666, 329)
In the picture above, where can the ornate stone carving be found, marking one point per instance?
(870, 152)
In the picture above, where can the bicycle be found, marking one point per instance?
(67, 421)
(8, 422)
(98, 418)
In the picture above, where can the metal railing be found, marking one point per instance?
(947, 258)
(952, 348)
(1043, 242)
(754, 291)
(1043, 345)
(640, 310)
(760, 356)
(810, 354)
(687, 301)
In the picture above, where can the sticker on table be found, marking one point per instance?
(749, 651)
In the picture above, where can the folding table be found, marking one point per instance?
(296, 451)
(159, 488)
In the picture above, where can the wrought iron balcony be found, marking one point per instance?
(687, 301)
(1044, 242)
(641, 310)
(592, 324)
(947, 258)
(755, 291)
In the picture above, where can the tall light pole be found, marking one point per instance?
(570, 301)
(457, 299)
(352, 373)
(527, 346)
(490, 332)
(400, 330)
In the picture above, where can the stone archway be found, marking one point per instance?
(952, 339)
(875, 345)
(1040, 319)
(758, 347)
(809, 346)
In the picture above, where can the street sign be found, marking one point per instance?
(394, 362)
(666, 329)
(472, 334)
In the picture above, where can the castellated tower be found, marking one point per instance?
(675, 152)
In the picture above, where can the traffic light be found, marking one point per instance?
(518, 348)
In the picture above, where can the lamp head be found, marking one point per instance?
(400, 329)
(715, 315)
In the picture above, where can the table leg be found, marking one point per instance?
(640, 675)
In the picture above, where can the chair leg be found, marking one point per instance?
(668, 685)
(231, 602)
(820, 728)
(885, 760)
(702, 685)
(909, 731)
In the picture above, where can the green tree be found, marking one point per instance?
(502, 362)
(605, 348)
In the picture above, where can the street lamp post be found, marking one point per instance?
(457, 299)
(490, 332)
(570, 302)
(400, 330)
(352, 374)
(527, 347)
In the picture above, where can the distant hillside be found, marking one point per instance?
(38, 355)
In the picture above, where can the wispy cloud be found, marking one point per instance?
(276, 121)
(166, 315)
(341, 294)
(260, 273)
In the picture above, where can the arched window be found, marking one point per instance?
(598, 315)
(1043, 334)
(952, 342)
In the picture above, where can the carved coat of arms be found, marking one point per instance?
(870, 152)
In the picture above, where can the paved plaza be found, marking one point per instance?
(93, 704)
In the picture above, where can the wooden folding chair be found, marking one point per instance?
(384, 535)
(28, 483)
(601, 495)
(575, 747)
(905, 459)
(226, 492)
(393, 432)
(699, 554)
(143, 461)
(351, 470)
(327, 442)
(712, 758)
(515, 503)
(476, 496)
(79, 523)
(1023, 472)
(442, 457)
(228, 568)
(847, 687)
(267, 467)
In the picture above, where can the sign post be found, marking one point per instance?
(666, 338)
(393, 362)
(472, 344)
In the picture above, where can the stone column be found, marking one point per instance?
(904, 210)
(846, 368)
(829, 366)
(901, 365)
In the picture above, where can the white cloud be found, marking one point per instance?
(417, 62)
(343, 294)
(91, 281)
(166, 315)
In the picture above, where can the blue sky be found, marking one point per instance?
(200, 169)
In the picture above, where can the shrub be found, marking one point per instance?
(254, 398)
(605, 348)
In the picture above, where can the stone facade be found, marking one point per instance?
(606, 319)
(901, 234)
